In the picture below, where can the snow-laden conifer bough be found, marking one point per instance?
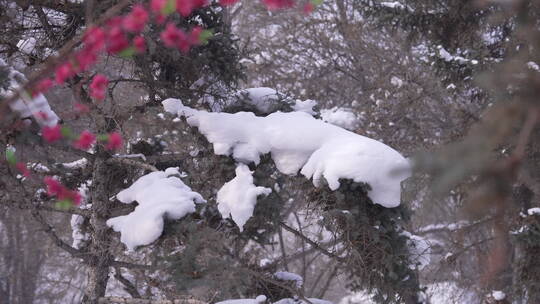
(297, 142)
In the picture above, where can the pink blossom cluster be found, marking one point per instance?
(84, 141)
(56, 189)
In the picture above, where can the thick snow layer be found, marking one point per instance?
(238, 197)
(299, 142)
(341, 117)
(305, 106)
(289, 276)
(160, 195)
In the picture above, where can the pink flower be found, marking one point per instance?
(136, 20)
(157, 6)
(64, 72)
(184, 43)
(42, 86)
(140, 44)
(116, 40)
(69, 195)
(94, 39)
(184, 7)
(195, 35)
(85, 59)
(114, 141)
(170, 35)
(308, 8)
(227, 2)
(98, 87)
(278, 4)
(23, 169)
(85, 141)
(51, 134)
(54, 187)
(175, 37)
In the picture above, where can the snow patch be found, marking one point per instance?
(341, 117)
(160, 195)
(238, 197)
(498, 295)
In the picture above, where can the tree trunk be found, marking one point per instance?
(98, 264)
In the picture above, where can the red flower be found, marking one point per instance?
(51, 134)
(184, 43)
(54, 187)
(85, 141)
(308, 8)
(94, 39)
(184, 7)
(136, 20)
(140, 44)
(116, 40)
(195, 35)
(64, 72)
(70, 195)
(42, 87)
(98, 86)
(175, 37)
(170, 35)
(23, 169)
(114, 141)
(157, 5)
(85, 59)
(278, 4)
(227, 2)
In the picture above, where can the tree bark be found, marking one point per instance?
(99, 248)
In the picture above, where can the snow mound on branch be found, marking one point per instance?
(26, 107)
(305, 106)
(341, 117)
(238, 197)
(299, 142)
(160, 195)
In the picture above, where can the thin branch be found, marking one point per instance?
(49, 230)
(128, 286)
(311, 242)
